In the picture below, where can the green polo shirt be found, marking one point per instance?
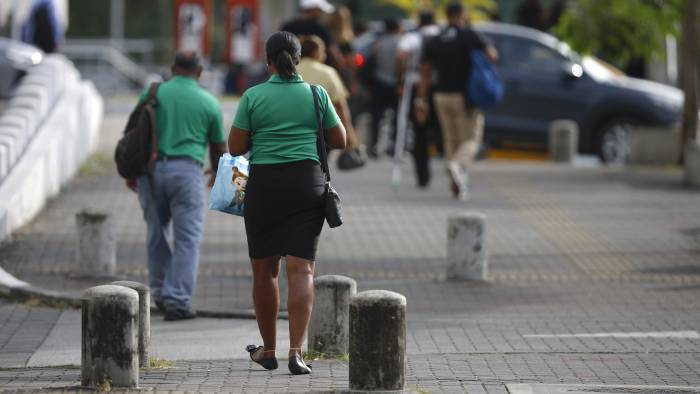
(280, 114)
(187, 118)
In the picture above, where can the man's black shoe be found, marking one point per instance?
(160, 306)
(372, 153)
(172, 314)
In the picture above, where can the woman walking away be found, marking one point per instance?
(284, 201)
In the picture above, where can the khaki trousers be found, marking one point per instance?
(462, 127)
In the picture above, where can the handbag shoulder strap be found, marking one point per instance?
(321, 140)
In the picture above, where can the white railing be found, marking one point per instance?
(48, 127)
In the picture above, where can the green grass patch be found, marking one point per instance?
(29, 301)
(105, 385)
(97, 164)
(314, 355)
(155, 363)
(37, 302)
(417, 390)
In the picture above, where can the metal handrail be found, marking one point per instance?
(142, 46)
(114, 57)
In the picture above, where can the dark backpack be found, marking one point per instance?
(366, 72)
(138, 147)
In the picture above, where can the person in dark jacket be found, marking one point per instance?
(308, 23)
(462, 124)
(43, 29)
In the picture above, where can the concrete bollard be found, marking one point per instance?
(466, 254)
(144, 317)
(377, 341)
(329, 327)
(651, 145)
(563, 140)
(692, 164)
(109, 343)
(96, 245)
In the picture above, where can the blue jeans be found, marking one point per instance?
(178, 196)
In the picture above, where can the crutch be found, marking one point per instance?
(402, 119)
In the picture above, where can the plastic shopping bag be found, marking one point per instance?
(228, 193)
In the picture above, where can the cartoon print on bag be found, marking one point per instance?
(239, 181)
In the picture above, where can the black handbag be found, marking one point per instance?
(334, 215)
(350, 160)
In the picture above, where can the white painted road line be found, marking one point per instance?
(652, 334)
(540, 388)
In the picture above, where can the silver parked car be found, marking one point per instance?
(15, 59)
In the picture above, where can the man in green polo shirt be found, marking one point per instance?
(188, 118)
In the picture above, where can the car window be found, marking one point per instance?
(529, 55)
(491, 39)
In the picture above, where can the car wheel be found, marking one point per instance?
(614, 142)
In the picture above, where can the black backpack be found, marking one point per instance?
(138, 147)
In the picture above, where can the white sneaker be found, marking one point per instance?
(463, 195)
(459, 177)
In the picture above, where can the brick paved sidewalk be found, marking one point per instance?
(444, 373)
(580, 258)
(545, 223)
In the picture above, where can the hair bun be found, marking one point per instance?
(283, 51)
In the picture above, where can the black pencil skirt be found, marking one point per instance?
(284, 209)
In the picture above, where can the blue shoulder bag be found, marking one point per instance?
(484, 88)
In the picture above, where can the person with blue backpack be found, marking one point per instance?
(465, 82)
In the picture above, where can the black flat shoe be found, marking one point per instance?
(269, 363)
(297, 366)
(173, 314)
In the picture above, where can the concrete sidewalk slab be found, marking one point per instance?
(198, 339)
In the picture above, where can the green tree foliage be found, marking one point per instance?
(478, 9)
(142, 19)
(619, 31)
(88, 19)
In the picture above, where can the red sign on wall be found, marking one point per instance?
(192, 25)
(242, 31)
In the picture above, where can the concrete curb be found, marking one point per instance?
(19, 290)
(15, 289)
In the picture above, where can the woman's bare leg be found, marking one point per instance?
(267, 301)
(300, 280)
